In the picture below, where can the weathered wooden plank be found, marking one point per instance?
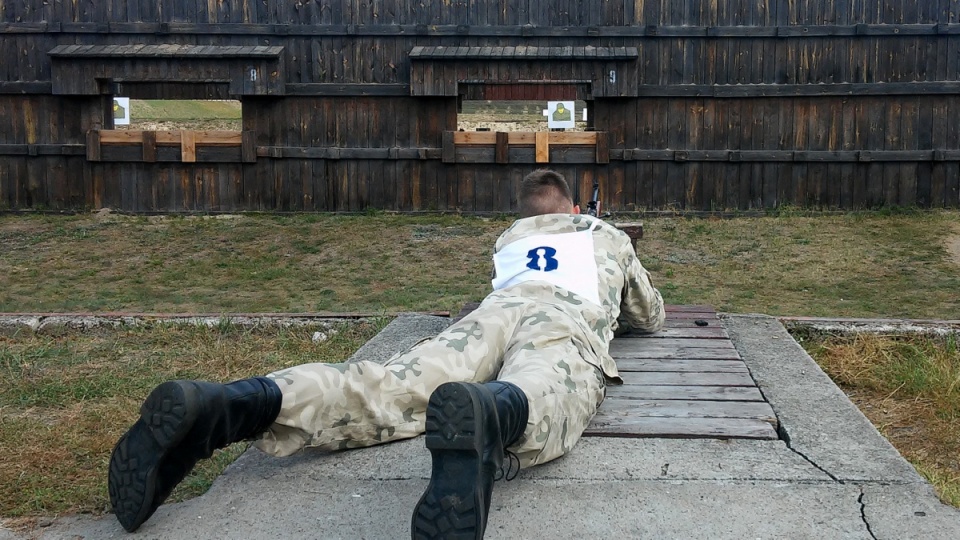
(121, 136)
(685, 308)
(707, 316)
(687, 379)
(680, 428)
(642, 344)
(617, 351)
(681, 365)
(691, 323)
(693, 331)
(675, 408)
(218, 138)
(712, 393)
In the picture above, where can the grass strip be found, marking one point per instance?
(69, 397)
(909, 387)
(851, 265)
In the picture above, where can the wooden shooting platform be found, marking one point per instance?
(686, 381)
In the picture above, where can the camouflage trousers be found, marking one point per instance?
(531, 344)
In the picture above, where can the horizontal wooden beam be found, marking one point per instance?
(525, 137)
(434, 53)
(346, 90)
(172, 138)
(180, 51)
(399, 30)
(791, 90)
(479, 153)
(645, 90)
(526, 154)
(334, 153)
(26, 87)
(42, 149)
(808, 156)
(167, 154)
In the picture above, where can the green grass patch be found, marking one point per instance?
(155, 109)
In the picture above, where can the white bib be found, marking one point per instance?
(565, 260)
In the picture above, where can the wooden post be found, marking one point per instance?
(603, 147)
(503, 148)
(188, 146)
(248, 147)
(150, 146)
(93, 145)
(449, 152)
(543, 146)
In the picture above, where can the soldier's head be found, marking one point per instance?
(545, 192)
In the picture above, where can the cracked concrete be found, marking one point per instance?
(815, 415)
(837, 477)
(863, 514)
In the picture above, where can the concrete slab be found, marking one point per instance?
(403, 332)
(817, 420)
(835, 478)
(908, 512)
(369, 493)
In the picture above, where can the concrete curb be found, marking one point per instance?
(874, 326)
(57, 322)
(817, 420)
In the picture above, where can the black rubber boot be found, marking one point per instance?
(468, 427)
(182, 422)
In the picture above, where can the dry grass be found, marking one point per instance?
(858, 265)
(855, 265)
(909, 387)
(244, 263)
(67, 399)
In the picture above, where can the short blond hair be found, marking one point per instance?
(545, 192)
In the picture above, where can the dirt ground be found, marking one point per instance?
(952, 244)
(177, 125)
(473, 122)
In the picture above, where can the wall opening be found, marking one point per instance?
(178, 115)
(521, 115)
(178, 130)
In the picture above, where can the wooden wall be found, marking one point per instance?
(737, 104)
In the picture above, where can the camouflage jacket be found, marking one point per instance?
(629, 299)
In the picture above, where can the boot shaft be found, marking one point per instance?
(512, 410)
(232, 412)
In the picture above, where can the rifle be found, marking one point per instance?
(593, 206)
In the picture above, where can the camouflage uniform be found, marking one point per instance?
(550, 342)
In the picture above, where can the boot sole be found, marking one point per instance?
(166, 417)
(450, 508)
